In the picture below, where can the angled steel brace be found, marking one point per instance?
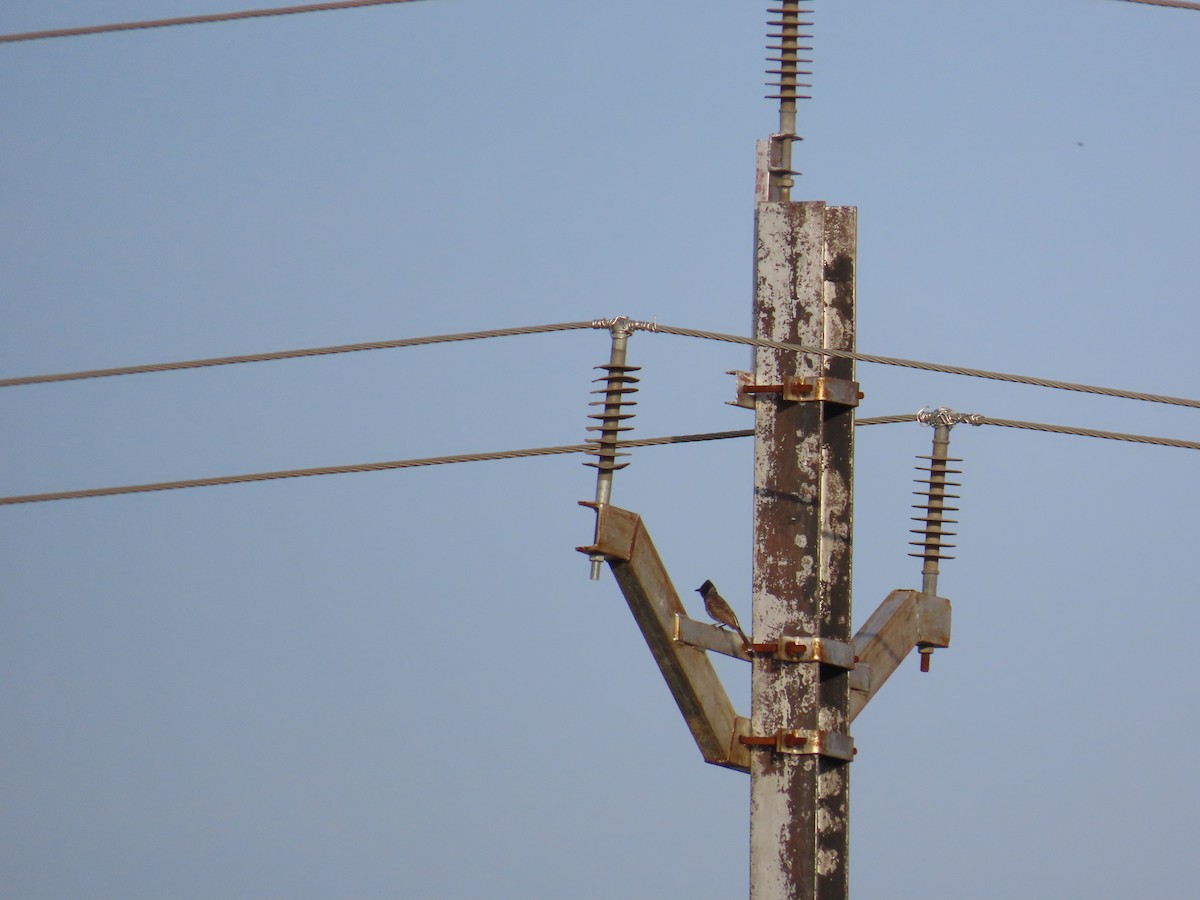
(623, 541)
(906, 619)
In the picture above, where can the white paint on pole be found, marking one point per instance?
(802, 506)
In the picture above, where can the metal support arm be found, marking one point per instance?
(623, 541)
(903, 621)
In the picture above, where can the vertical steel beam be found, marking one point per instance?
(803, 505)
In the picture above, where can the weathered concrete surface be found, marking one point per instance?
(803, 514)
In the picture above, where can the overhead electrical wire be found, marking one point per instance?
(979, 419)
(363, 467)
(654, 327)
(941, 368)
(304, 8)
(1092, 433)
(552, 451)
(887, 420)
(291, 354)
(1174, 4)
(194, 20)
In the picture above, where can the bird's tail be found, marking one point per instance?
(742, 635)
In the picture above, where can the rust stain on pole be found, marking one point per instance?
(803, 515)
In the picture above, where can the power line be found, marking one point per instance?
(556, 451)
(928, 366)
(1092, 433)
(193, 20)
(887, 420)
(1175, 4)
(291, 354)
(394, 464)
(978, 419)
(654, 327)
(362, 467)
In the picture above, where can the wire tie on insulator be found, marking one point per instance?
(626, 324)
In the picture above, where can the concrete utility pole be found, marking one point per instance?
(803, 519)
(803, 516)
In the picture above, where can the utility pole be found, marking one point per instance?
(809, 677)
(803, 519)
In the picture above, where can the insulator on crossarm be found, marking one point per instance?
(932, 537)
(933, 510)
(617, 387)
(931, 542)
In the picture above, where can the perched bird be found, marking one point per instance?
(715, 606)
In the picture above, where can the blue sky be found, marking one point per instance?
(403, 684)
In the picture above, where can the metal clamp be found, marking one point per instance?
(805, 742)
(809, 649)
(799, 389)
(947, 417)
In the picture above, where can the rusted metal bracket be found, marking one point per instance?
(798, 389)
(622, 540)
(803, 742)
(788, 648)
(906, 619)
(809, 649)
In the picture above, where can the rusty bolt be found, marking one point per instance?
(750, 740)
